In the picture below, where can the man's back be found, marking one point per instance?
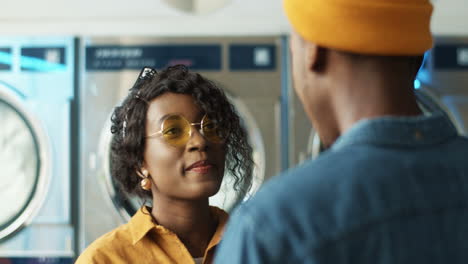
(391, 190)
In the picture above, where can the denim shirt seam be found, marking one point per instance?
(369, 127)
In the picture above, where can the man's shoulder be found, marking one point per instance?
(329, 193)
(331, 170)
(314, 181)
(303, 202)
(344, 188)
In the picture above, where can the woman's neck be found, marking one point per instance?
(191, 221)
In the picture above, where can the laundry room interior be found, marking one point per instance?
(66, 65)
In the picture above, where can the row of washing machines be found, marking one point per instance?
(56, 96)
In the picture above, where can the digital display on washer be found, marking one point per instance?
(5, 59)
(19, 161)
(43, 59)
(450, 57)
(248, 57)
(112, 58)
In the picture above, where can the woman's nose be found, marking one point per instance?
(197, 142)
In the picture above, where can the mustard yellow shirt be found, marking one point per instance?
(142, 241)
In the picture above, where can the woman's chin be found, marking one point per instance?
(206, 190)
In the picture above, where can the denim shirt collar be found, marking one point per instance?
(399, 131)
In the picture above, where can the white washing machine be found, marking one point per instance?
(36, 90)
(250, 71)
(441, 85)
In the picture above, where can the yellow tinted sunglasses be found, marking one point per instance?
(176, 130)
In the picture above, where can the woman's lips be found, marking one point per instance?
(202, 166)
(202, 169)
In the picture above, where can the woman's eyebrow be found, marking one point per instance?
(164, 117)
(198, 117)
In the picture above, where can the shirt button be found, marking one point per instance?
(418, 135)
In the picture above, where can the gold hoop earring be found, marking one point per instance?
(145, 183)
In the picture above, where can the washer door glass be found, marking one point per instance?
(227, 198)
(19, 162)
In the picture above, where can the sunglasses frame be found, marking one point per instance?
(188, 122)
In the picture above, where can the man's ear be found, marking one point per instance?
(316, 57)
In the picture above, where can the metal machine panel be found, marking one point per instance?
(112, 65)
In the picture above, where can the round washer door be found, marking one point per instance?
(23, 160)
(227, 198)
(428, 103)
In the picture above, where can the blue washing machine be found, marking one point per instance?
(36, 99)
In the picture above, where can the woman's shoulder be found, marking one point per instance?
(108, 247)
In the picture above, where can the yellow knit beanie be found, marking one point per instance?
(379, 27)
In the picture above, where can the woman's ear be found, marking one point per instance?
(145, 183)
(142, 171)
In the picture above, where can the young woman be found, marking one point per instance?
(174, 136)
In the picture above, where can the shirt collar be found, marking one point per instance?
(403, 131)
(142, 222)
(222, 218)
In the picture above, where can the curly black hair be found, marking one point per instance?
(129, 122)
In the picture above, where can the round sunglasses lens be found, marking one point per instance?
(176, 130)
(211, 130)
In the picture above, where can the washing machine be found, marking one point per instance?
(444, 75)
(249, 69)
(441, 85)
(36, 93)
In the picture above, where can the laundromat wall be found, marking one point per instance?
(49, 92)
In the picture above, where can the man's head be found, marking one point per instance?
(332, 38)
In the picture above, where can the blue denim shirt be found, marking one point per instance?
(390, 190)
